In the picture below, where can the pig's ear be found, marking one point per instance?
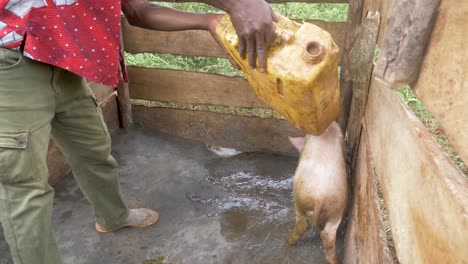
(297, 142)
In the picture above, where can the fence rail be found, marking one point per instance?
(192, 88)
(197, 42)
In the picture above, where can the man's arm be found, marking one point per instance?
(143, 14)
(252, 19)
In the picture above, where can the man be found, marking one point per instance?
(47, 50)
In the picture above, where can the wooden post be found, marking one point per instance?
(123, 93)
(125, 107)
(354, 21)
(360, 69)
(356, 69)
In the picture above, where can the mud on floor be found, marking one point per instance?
(216, 206)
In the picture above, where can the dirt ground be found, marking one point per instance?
(216, 206)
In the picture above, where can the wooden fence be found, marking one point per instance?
(410, 202)
(246, 133)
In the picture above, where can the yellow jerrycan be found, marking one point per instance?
(301, 79)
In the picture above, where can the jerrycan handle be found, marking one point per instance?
(285, 29)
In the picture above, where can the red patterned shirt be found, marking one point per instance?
(82, 36)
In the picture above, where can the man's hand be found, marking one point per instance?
(253, 21)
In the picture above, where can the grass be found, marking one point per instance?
(384, 217)
(175, 62)
(233, 110)
(431, 123)
(328, 12)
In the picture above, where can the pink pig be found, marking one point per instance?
(320, 186)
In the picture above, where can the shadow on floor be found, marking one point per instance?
(214, 208)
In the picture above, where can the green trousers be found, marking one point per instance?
(38, 101)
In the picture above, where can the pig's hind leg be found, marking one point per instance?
(328, 236)
(301, 226)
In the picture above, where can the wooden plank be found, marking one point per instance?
(239, 132)
(363, 241)
(442, 85)
(425, 194)
(110, 113)
(58, 166)
(196, 42)
(101, 92)
(384, 9)
(191, 87)
(409, 27)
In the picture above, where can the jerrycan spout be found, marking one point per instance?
(313, 52)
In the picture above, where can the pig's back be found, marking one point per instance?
(321, 173)
(320, 179)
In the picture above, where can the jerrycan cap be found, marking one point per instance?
(313, 52)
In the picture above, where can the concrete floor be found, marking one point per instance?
(214, 208)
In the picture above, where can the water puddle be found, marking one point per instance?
(255, 209)
(262, 189)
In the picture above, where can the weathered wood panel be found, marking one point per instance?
(191, 87)
(384, 8)
(409, 27)
(196, 42)
(101, 92)
(239, 132)
(58, 166)
(56, 162)
(443, 85)
(364, 241)
(110, 112)
(425, 194)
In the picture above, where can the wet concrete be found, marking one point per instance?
(215, 207)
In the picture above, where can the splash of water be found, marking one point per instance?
(223, 152)
(260, 195)
(247, 181)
